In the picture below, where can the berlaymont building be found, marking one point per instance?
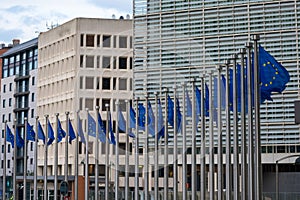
(175, 41)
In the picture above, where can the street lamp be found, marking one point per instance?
(297, 161)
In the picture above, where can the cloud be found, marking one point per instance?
(8, 35)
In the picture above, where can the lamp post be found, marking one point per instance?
(277, 177)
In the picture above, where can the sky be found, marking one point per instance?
(25, 19)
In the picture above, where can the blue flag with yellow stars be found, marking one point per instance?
(30, 133)
(60, 132)
(50, 134)
(10, 136)
(273, 76)
(41, 134)
(72, 135)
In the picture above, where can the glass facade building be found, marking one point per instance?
(175, 41)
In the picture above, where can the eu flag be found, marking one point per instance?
(122, 124)
(80, 130)
(30, 133)
(102, 129)
(60, 132)
(9, 137)
(19, 139)
(72, 135)
(171, 113)
(142, 116)
(188, 104)
(206, 106)
(91, 126)
(132, 118)
(111, 133)
(50, 134)
(198, 103)
(41, 134)
(273, 76)
(151, 123)
(160, 121)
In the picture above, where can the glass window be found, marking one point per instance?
(122, 41)
(122, 84)
(90, 40)
(32, 113)
(104, 102)
(105, 62)
(106, 40)
(89, 103)
(81, 82)
(81, 61)
(32, 97)
(9, 102)
(3, 103)
(89, 62)
(10, 87)
(33, 80)
(106, 83)
(81, 40)
(89, 82)
(4, 88)
(122, 63)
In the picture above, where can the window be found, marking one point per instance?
(89, 82)
(81, 61)
(32, 97)
(31, 161)
(9, 102)
(81, 40)
(3, 118)
(2, 148)
(10, 87)
(105, 62)
(32, 113)
(104, 102)
(122, 63)
(3, 103)
(123, 42)
(9, 117)
(90, 40)
(81, 82)
(31, 146)
(115, 41)
(89, 103)
(89, 62)
(8, 163)
(106, 83)
(106, 40)
(4, 88)
(33, 80)
(122, 84)
(98, 40)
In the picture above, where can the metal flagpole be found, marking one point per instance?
(203, 146)
(67, 146)
(97, 155)
(146, 167)
(86, 172)
(46, 159)
(127, 151)
(35, 160)
(15, 162)
(117, 152)
(175, 150)
(220, 138)
(211, 143)
(184, 181)
(228, 136)
(251, 193)
(193, 157)
(166, 150)
(107, 154)
(25, 159)
(156, 185)
(76, 155)
(56, 158)
(236, 189)
(4, 160)
(257, 120)
(243, 129)
(137, 169)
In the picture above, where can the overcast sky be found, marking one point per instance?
(24, 19)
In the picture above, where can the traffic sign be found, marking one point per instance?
(64, 188)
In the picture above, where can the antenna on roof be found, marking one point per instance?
(113, 16)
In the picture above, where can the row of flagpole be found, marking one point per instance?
(240, 183)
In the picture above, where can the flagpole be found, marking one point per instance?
(156, 184)
(243, 128)
(25, 159)
(175, 150)
(193, 157)
(127, 152)
(46, 159)
(184, 181)
(56, 158)
(97, 154)
(203, 146)
(236, 189)
(257, 119)
(228, 135)
(67, 146)
(117, 152)
(146, 167)
(137, 170)
(107, 154)
(15, 161)
(220, 138)
(86, 171)
(35, 160)
(76, 156)
(4, 167)
(251, 193)
(211, 143)
(166, 150)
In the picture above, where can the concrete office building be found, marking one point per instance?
(83, 63)
(175, 41)
(18, 92)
